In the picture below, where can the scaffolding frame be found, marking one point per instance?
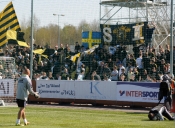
(156, 13)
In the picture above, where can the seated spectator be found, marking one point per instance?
(57, 77)
(106, 78)
(132, 78)
(95, 76)
(130, 74)
(81, 75)
(154, 73)
(50, 77)
(0, 75)
(65, 75)
(114, 74)
(143, 75)
(122, 77)
(44, 76)
(149, 78)
(137, 74)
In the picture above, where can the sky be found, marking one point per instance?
(74, 10)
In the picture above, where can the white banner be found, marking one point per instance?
(137, 92)
(55, 89)
(6, 87)
(99, 90)
(95, 90)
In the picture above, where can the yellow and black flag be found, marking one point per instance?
(15, 37)
(8, 20)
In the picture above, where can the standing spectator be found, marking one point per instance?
(163, 66)
(117, 62)
(167, 55)
(139, 62)
(110, 63)
(77, 48)
(132, 60)
(120, 68)
(135, 50)
(61, 48)
(154, 73)
(145, 61)
(160, 75)
(150, 53)
(126, 60)
(93, 66)
(106, 71)
(66, 48)
(100, 68)
(128, 67)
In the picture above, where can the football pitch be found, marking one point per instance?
(75, 117)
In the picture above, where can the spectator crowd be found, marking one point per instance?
(106, 63)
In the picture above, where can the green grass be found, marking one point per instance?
(56, 117)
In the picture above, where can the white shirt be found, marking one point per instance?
(114, 75)
(80, 77)
(120, 70)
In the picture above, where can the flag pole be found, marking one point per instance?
(31, 42)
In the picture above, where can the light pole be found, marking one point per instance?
(58, 28)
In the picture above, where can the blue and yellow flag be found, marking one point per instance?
(90, 38)
(8, 20)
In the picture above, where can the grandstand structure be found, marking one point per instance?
(155, 12)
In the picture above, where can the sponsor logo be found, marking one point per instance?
(150, 94)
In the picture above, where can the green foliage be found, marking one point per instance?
(56, 117)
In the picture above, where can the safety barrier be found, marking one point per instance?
(97, 92)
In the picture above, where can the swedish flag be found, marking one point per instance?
(8, 20)
(90, 38)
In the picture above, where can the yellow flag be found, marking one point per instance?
(73, 58)
(11, 34)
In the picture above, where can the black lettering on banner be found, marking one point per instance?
(2, 87)
(68, 92)
(7, 87)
